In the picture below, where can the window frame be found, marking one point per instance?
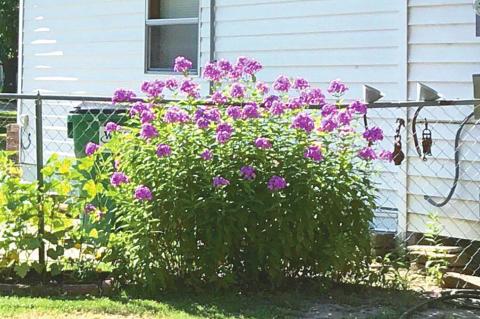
(149, 23)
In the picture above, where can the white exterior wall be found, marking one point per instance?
(92, 47)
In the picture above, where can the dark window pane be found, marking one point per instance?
(171, 9)
(169, 41)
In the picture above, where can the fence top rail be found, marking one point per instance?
(399, 104)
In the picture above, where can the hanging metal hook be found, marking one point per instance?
(398, 155)
(414, 131)
(457, 166)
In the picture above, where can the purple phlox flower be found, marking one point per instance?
(313, 97)
(163, 150)
(367, 153)
(303, 121)
(373, 134)
(118, 178)
(171, 84)
(236, 73)
(223, 136)
(209, 113)
(329, 110)
(251, 111)
(225, 66)
(89, 208)
(147, 116)
(211, 72)
(248, 172)
(237, 90)
(263, 143)
(344, 117)
(276, 183)
(219, 98)
(262, 88)
(122, 95)
(248, 66)
(111, 127)
(182, 65)
(358, 107)
(148, 131)
(138, 108)
(314, 152)
(282, 84)
(224, 127)
(295, 103)
(190, 88)
(203, 123)
(301, 84)
(219, 181)
(176, 115)
(386, 156)
(206, 155)
(337, 87)
(154, 88)
(278, 108)
(143, 193)
(235, 112)
(268, 101)
(328, 124)
(91, 148)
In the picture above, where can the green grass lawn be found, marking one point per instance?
(289, 304)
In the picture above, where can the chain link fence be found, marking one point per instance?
(429, 202)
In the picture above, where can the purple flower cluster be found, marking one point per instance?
(344, 118)
(190, 88)
(224, 132)
(237, 90)
(91, 148)
(219, 98)
(248, 172)
(143, 193)
(282, 84)
(182, 65)
(367, 153)
(111, 127)
(262, 88)
(329, 110)
(176, 115)
(204, 115)
(278, 108)
(118, 178)
(219, 181)
(251, 111)
(248, 66)
(89, 208)
(207, 155)
(263, 143)
(314, 152)
(314, 96)
(222, 69)
(235, 112)
(171, 84)
(329, 124)
(163, 150)
(301, 84)
(358, 107)
(276, 183)
(147, 116)
(154, 88)
(303, 121)
(373, 134)
(386, 156)
(337, 87)
(121, 95)
(269, 100)
(138, 108)
(148, 131)
(212, 72)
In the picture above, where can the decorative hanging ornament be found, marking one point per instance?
(427, 141)
(398, 155)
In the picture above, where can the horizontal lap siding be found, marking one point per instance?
(444, 53)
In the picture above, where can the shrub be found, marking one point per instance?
(241, 188)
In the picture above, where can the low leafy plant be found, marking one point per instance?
(242, 188)
(436, 263)
(60, 202)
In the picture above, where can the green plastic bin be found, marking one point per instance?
(87, 124)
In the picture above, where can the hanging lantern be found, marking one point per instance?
(427, 141)
(398, 155)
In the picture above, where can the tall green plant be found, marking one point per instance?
(244, 188)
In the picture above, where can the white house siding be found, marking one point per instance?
(444, 53)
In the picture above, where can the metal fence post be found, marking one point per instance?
(39, 160)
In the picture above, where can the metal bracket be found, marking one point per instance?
(476, 94)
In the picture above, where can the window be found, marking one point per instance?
(172, 30)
